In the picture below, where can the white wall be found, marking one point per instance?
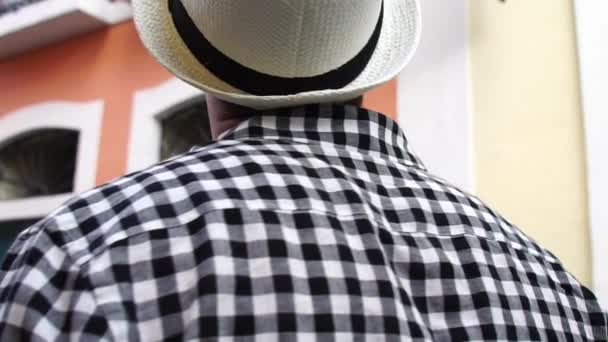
(592, 28)
(434, 91)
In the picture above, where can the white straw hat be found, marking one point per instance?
(276, 53)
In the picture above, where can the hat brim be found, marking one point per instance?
(398, 41)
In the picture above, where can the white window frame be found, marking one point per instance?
(149, 107)
(592, 28)
(434, 96)
(82, 117)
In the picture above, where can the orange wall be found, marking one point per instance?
(110, 64)
(383, 99)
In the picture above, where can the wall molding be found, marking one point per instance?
(591, 26)
(45, 22)
(149, 105)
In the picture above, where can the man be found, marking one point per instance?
(305, 220)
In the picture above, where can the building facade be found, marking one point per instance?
(83, 103)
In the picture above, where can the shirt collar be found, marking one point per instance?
(348, 127)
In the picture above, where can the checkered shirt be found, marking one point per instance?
(315, 223)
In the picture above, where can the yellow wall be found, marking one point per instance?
(528, 137)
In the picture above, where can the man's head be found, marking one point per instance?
(278, 53)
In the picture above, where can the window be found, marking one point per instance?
(41, 163)
(184, 128)
(48, 152)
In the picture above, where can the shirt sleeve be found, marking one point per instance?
(44, 296)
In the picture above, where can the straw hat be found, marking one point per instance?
(277, 53)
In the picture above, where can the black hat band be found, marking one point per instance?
(257, 83)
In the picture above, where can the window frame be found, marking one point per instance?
(150, 106)
(85, 118)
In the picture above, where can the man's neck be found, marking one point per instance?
(224, 116)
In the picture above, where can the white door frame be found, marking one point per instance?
(592, 28)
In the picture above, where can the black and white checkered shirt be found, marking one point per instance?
(317, 224)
